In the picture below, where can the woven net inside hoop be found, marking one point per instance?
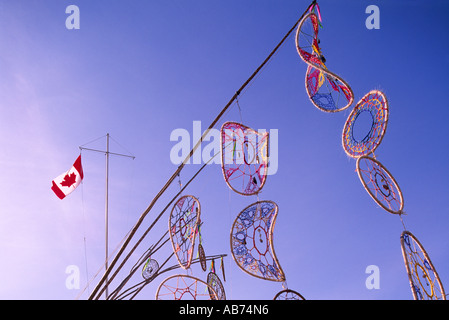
(244, 158)
(184, 287)
(375, 103)
(183, 224)
(424, 280)
(380, 184)
(252, 241)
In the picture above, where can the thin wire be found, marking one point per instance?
(130, 153)
(93, 140)
(240, 109)
(84, 237)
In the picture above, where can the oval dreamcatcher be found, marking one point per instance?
(150, 269)
(376, 105)
(424, 280)
(185, 287)
(202, 257)
(326, 90)
(215, 284)
(244, 158)
(288, 294)
(380, 184)
(183, 223)
(252, 241)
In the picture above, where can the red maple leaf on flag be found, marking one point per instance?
(69, 180)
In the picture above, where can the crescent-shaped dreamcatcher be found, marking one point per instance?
(185, 287)
(380, 184)
(376, 105)
(326, 90)
(183, 223)
(424, 280)
(244, 158)
(288, 294)
(252, 241)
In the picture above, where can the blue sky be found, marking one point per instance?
(140, 70)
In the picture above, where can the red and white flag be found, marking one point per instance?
(65, 183)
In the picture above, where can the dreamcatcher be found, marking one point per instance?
(244, 158)
(288, 294)
(380, 184)
(376, 105)
(184, 287)
(183, 224)
(424, 280)
(202, 257)
(201, 253)
(252, 241)
(150, 269)
(215, 284)
(327, 91)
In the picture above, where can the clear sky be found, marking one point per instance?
(141, 69)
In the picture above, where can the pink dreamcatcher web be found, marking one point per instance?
(326, 90)
(183, 223)
(244, 158)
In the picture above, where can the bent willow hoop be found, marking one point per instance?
(376, 105)
(217, 287)
(244, 158)
(252, 241)
(288, 294)
(183, 223)
(184, 287)
(380, 184)
(327, 91)
(424, 280)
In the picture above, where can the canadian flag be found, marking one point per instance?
(65, 183)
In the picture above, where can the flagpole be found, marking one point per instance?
(106, 206)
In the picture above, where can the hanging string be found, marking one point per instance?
(238, 105)
(84, 234)
(222, 269)
(402, 221)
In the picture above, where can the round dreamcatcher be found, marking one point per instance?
(244, 158)
(252, 241)
(424, 280)
(375, 104)
(185, 287)
(288, 294)
(327, 91)
(183, 223)
(150, 269)
(380, 184)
